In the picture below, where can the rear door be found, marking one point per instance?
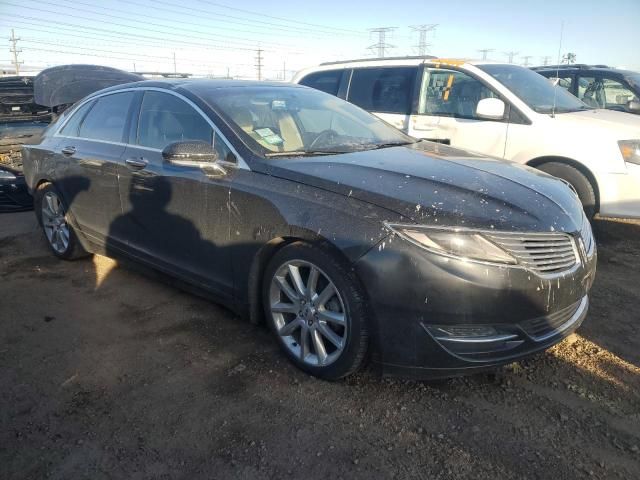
(385, 91)
(91, 147)
(175, 217)
(447, 112)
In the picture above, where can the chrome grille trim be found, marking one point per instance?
(544, 253)
(543, 328)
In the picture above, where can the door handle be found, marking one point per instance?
(69, 150)
(136, 163)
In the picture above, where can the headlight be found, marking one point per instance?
(466, 245)
(630, 150)
(6, 175)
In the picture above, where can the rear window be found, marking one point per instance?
(384, 90)
(327, 81)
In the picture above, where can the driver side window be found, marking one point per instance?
(449, 93)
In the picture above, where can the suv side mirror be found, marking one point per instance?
(634, 106)
(490, 109)
(193, 153)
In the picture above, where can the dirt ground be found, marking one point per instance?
(105, 373)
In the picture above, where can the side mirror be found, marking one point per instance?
(634, 106)
(490, 109)
(193, 153)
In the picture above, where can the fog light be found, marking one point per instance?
(464, 331)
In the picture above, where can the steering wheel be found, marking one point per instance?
(323, 137)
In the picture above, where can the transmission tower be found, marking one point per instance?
(526, 60)
(545, 59)
(423, 30)
(15, 51)
(485, 51)
(258, 65)
(511, 55)
(382, 45)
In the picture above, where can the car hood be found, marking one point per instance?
(434, 184)
(621, 125)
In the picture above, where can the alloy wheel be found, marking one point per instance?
(54, 222)
(308, 313)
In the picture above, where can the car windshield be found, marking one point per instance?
(296, 121)
(534, 89)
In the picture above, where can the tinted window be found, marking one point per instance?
(165, 118)
(450, 93)
(384, 90)
(71, 127)
(106, 120)
(327, 81)
(223, 151)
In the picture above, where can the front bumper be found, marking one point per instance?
(620, 193)
(421, 304)
(14, 195)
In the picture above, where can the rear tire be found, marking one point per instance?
(54, 218)
(579, 181)
(320, 321)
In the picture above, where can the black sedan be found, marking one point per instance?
(352, 240)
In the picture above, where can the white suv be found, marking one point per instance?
(501, 110)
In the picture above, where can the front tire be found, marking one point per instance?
(53, 217)
(579, 181)
(315, 307)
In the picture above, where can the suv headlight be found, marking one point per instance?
(6, 175)
(462, 244)
(630, 150)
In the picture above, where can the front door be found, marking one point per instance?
(175, 217)
(447, 113)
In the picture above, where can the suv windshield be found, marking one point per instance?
(534, 89)
(295, 121)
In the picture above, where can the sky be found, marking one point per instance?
(221, 37)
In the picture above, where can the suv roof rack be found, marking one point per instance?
(577, 66)
(406, 57)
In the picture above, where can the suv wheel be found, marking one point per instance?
(578, 180)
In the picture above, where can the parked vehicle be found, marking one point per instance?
(502, 110)
(21, 121)
(598, 86)
(352, 239)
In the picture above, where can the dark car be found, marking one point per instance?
(598, 86)
(353, 240)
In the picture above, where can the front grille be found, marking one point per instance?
(547, 326)
(545, 253)
(587, 237)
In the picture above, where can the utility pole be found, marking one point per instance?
(545, 60)
(259, 62)
(284, 71)
(526, 60)
(175, 68)
(485, 51)
(423, 30)
(382, 45)
(511, 55)
(15, 50)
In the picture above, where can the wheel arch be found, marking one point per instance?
(536, 162)
(263, 256)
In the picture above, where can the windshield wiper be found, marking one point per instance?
(302, 153)
(377, 146)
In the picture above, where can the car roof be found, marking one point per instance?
(195, 85)
(580, 67)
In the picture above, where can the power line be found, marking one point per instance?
(259, 59)
(511, 55)
(423, 30)
(485, 52)
(170, 31)
(381, 46)
(263, 15)
(15, 51)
